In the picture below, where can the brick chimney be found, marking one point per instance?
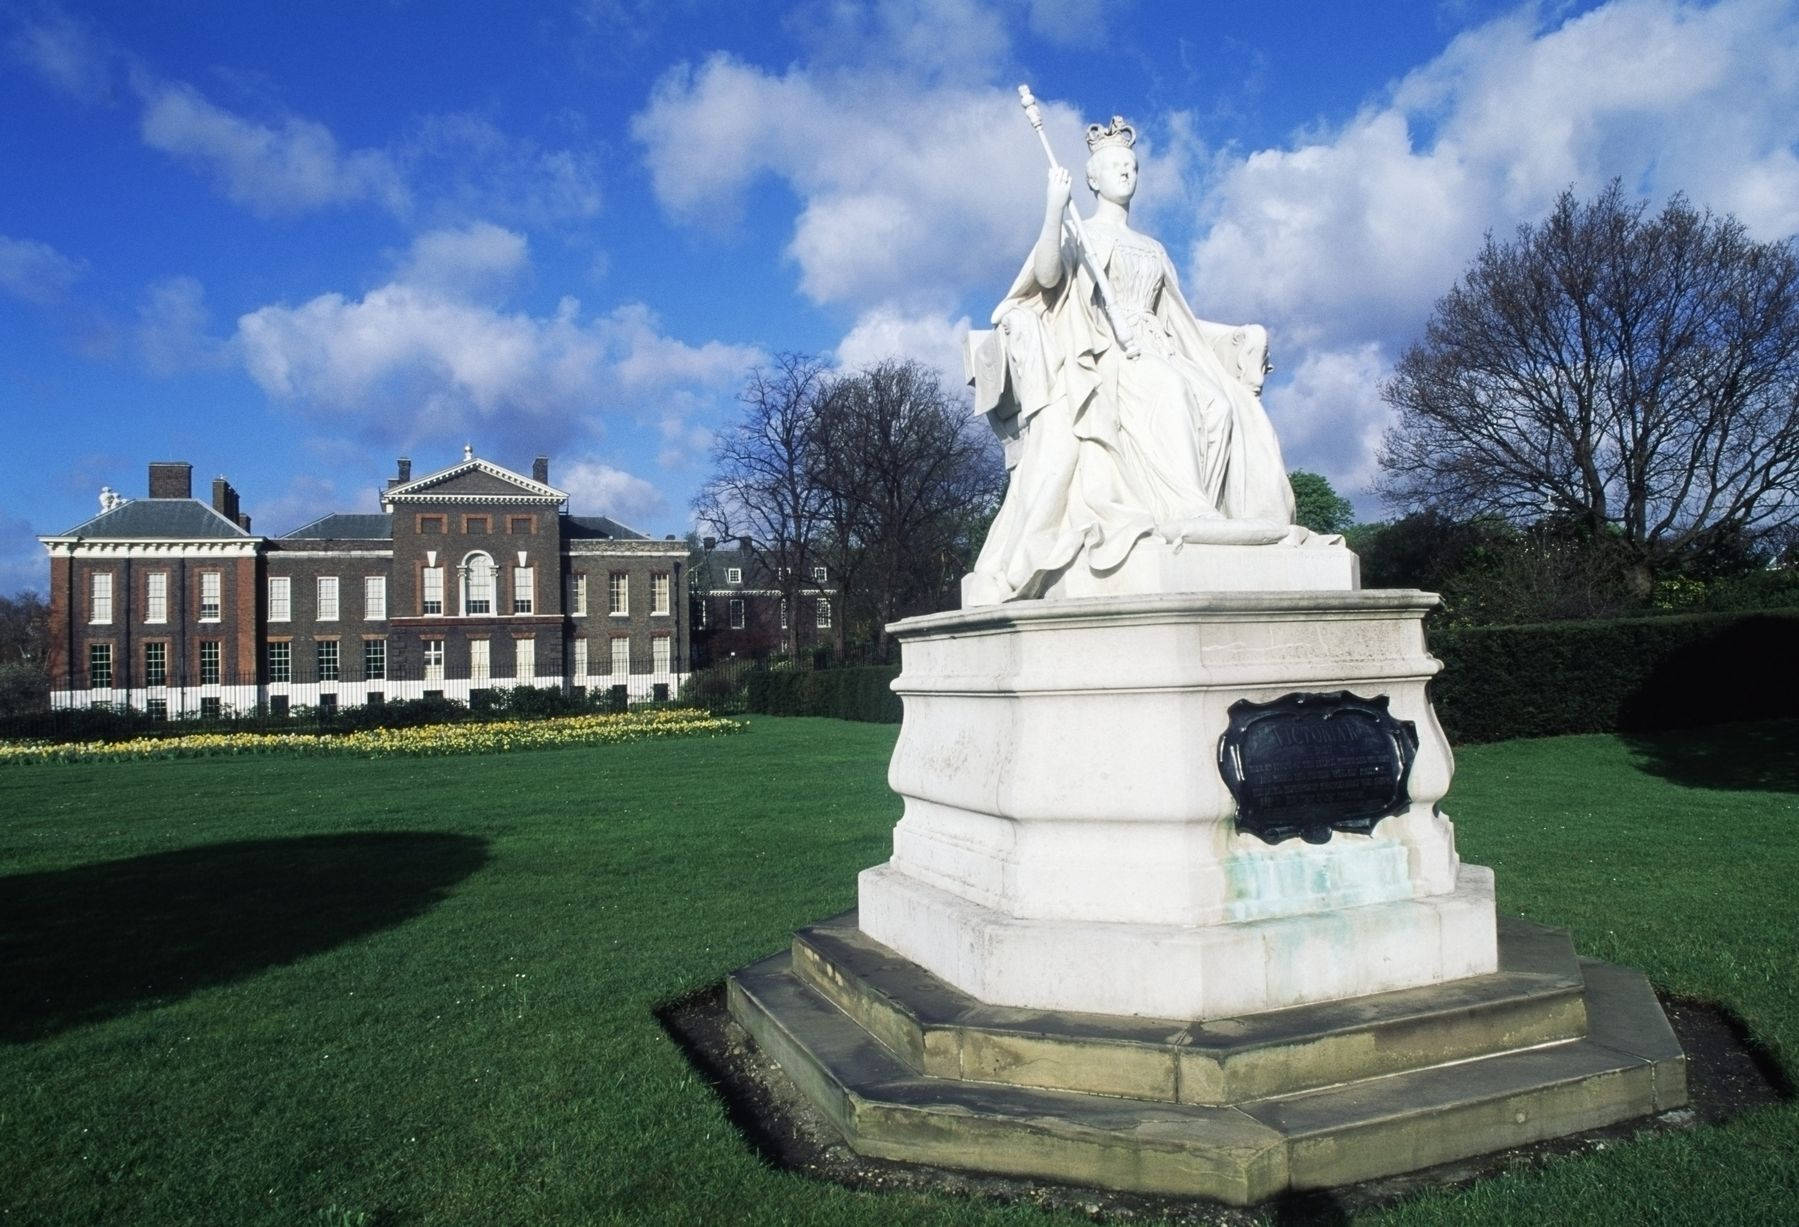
(224, 500)
(540, 470)
(404, 473)
(171, 479)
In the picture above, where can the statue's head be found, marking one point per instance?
(1111, 162)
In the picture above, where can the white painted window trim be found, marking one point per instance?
(100, 597)
(156, 603)
(281, 608)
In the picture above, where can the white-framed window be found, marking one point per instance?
(156, 596)
(736, 613)
(704, 608)
(156, 709)
(434, 659)
(209, 662)
(524, 590)
(824, 613)
(524, 658)
(281, 598)
(480, 660)
(659, 653)
(580, 662)
(374, 598)
(477, 584)
(733, 575)
(621, 657)
(660, 587)
(618, 594)
(281, 660)
(578, 600)
(818, 575)
(327, 598)
(783, 613)
(210, 599)
(100, 598)
(374, 660)
(431, 598)
(156, 664)
(327, 658)
(99, 666)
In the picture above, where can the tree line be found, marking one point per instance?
(881, 475)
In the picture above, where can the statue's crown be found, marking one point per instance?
(1117, 133)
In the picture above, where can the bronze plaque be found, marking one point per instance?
(1314, 764)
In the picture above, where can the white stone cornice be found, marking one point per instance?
(419, 491)
(427, 496)
(79, 547)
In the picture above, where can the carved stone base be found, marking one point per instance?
(1184, 971)
(909, 1068)
(1069, 840)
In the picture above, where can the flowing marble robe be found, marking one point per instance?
(1173, 442)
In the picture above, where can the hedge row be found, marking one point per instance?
(1498, 681)
(1624, 675)
(859, 693)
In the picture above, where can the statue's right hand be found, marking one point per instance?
(1061, 188)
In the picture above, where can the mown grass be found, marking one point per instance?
(280, 991)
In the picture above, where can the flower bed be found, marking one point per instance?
(473, 738)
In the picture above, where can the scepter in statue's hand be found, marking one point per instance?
(1127, 338)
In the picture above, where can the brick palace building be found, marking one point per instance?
(469, 579)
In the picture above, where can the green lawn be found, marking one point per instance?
(420, 991)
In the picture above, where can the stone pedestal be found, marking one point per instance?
(1081, 964)
(1068, 840)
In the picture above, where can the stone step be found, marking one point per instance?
(1536, 997)
(1629, 1064)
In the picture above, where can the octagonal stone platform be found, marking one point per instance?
(909, 1067)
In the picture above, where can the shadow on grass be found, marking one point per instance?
(1761, 757)
(83, 944)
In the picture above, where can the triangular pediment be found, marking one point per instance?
(473, 481)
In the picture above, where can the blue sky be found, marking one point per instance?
(289, 243)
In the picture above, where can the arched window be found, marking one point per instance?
(477, 584)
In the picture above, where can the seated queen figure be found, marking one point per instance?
(1126, 418)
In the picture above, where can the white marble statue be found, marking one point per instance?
(1129, 423)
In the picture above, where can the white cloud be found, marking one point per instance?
(1070, 23)
(173, 328)
(67, 54)
(929, 40)
(930, 339)
(595, 488)
(465, 259)
(36, 272)
(1344, 240)
(290, 167)
(901, 207)
(419, 361)
(1329, 415)
(465, 166)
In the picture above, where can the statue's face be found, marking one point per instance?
(1112, 174)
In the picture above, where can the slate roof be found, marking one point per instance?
(172, 519)
(590, 527)
(340, 526)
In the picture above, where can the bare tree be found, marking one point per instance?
(762, 486)
(905, 473)
(1637, 375)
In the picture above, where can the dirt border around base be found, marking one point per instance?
(1728, 1073)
